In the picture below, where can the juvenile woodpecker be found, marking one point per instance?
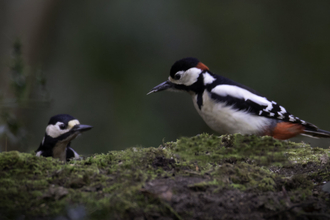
(228, 107)
(60, 131)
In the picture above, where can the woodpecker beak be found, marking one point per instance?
(73, 133)
(163, 86)
(81, 128)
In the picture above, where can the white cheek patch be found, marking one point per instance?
(174, 80)
(191, 76)
(55, 131)
(188, 77)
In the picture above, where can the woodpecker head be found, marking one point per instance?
(60, 131)
(185, 75)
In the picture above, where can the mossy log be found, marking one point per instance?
(202, 177)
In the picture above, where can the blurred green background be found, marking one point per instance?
(100, 58)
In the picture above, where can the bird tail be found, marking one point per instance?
(316, 133)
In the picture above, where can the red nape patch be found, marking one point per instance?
(202, 66)
(286, 130)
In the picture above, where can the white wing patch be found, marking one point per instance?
(283, 110)
(208, 79)
(292, 118)
(240, 93)
(280, 116)
(269, 109)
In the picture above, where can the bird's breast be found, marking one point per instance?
(59, 150)
(225, 119)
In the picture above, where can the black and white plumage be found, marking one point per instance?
(60, 131)
(229, 107)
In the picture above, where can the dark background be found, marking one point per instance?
(100, 58)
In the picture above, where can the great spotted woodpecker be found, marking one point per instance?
(60, 131)
(228, 107)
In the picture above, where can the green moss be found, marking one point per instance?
(267, 184)
(119, 183)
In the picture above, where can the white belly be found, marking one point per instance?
(227, 120)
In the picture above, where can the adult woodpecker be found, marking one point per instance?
(60, 131)
(228, 107)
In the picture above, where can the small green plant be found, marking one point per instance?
(17, 96)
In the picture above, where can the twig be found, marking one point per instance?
(193, 172)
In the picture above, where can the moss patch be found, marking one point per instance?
(202, 177)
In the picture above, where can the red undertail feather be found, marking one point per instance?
(286, 130)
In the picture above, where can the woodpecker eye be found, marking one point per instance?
(177, 76)
(62, 126)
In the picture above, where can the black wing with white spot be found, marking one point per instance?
(243, 98)
(279, 112)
